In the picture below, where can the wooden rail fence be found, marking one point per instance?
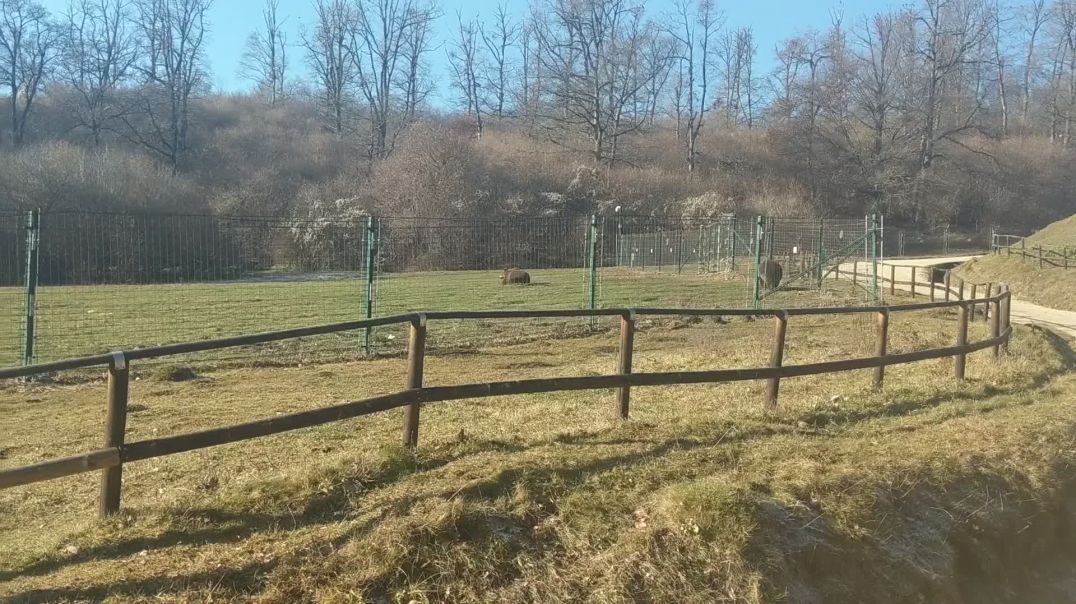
(116, 451)
(1063, 256)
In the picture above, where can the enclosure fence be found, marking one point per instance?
(1044, 255)
(78, 283)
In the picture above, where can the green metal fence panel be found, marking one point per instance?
(122, 281)
(13, 235)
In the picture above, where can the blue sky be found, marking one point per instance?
(772, 21)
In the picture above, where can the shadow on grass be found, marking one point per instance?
(335, 504)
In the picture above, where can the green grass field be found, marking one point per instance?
(81, 320)
(929, 491)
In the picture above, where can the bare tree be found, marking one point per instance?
(500, 38)
(171, 66)
(99, 49)
(464, 58)
(995, 15)
(1064, 104)
(265, 58)
(592, 49)
(29, 44)
(952, 33)
(381, 32)
(694, 31)
(328, 53)
(415, 84)
(1035, 17)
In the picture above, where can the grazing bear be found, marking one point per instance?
(515, 276)
(770, 272)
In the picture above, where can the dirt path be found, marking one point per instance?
(1060, 321)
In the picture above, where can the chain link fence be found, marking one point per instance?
(84, 283)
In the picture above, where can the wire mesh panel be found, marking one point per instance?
(13, 240)
(453, 264)
(123, 281)
(114, 281)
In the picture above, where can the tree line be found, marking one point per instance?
(927, 112)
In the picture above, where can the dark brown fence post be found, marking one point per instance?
(892, 280)
(416, 355)
(855, 272)
(627, 345)
(777, 355)
(115, 427)
(1007, 307)
(961, 359)
(960, 292)
(913, 282)
(882, 347)
(948, 280)
(995, 325)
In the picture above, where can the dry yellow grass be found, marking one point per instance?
(928, 490)
(1049, 286)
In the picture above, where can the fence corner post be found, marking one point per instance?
(995, 324)
(777, 356)
(1004, 311)
(960, 360)
(416, 354)
(33, 255)
(881, 347)
(592, 255)
(627, 345)
(115, 427)
(372, 231)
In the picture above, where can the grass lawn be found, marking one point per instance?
(926, 491)
(81, 320)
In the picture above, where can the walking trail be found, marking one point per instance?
(1062, 322)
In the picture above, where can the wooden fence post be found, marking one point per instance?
(961, 359)
(855, 272)
(777, 355)
(932, 284)
(960, 292)
(627, 345)
(972, 297)
(948, 280)
(882, 347)
(995, 325)
(1005, 317)
(892, 280)
(115, 427)
(416, 355)
(913, 282)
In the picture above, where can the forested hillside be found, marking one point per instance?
(948, 112)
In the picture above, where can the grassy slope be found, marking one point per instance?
(1051, 286)
(926, 490)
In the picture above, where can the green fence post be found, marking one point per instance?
(875, 245)
(592, 280)
(371, 267)
(33, 247)
(760, 227)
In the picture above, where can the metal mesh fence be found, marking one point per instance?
(122, 281)
(723, 261)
